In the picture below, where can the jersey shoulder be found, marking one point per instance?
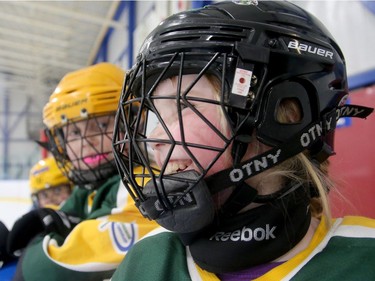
(164, 255)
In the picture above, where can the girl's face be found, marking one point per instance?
(53, 196)
(183, 124)
(88, 142)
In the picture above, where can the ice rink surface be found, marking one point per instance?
(15, 200)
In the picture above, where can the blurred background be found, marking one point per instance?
(40, 41)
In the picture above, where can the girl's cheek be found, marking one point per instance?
(71, 153)
(156, 133)
(74, 147)
(107, 146)
(206, 156)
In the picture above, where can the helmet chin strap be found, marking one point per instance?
(310, 138)
(243, 194)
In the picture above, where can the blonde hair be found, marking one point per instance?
(302, 169)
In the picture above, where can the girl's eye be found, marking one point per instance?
(103, 125)
(42, 195)
(57, 192)
(73, 134)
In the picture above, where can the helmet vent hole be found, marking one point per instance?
(231, 29)
(189, 28)
(336, 85)
(185, 38)
(223, 39)
(204, 34)
(289, 111)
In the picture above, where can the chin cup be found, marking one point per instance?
(181, 202)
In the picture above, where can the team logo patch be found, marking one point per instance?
(123, 235)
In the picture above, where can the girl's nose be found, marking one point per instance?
(157, 133)
(91, 140)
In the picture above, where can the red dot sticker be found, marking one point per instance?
(241, 82)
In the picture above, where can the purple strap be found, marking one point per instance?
(248, 274)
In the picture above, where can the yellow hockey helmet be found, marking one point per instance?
(46, 174)
(94, 90)
(84, 97)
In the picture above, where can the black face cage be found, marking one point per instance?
(132, 146)
(243, 113)
(74, 167)
(131, 141)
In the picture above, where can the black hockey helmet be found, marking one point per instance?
(262, 53)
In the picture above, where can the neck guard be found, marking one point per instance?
(254, 237)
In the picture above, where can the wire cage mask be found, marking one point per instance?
(83, 149)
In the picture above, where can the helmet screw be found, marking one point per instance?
(254, 80)
(250, 96)
(272, 43)
(64, 119)
(139, 57)
(84, 113)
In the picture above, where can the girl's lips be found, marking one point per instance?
(95, 159)
(176, 166)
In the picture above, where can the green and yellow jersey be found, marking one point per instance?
(95, 247)
(343, 252)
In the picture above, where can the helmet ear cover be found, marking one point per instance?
(299, 90)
